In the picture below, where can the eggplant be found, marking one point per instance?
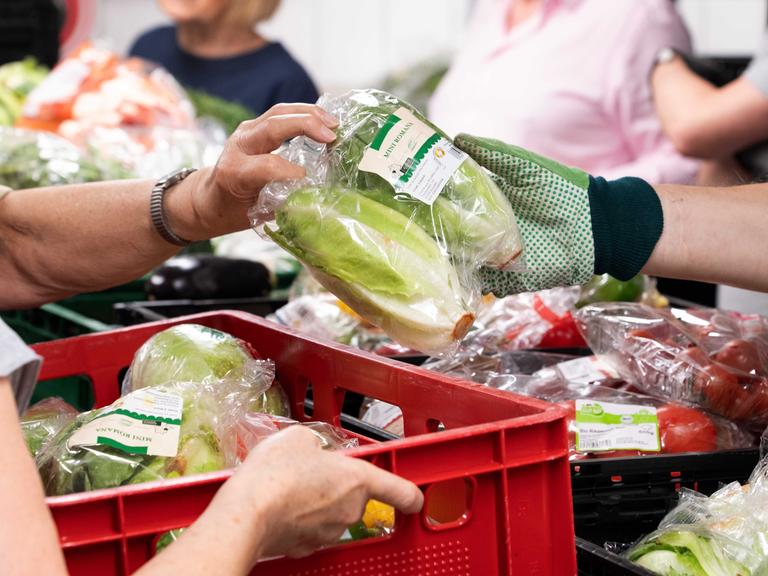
(204, 276)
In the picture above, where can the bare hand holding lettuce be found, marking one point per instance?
(393, 219)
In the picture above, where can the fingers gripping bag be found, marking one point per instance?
(393, 219)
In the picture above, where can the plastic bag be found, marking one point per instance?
(253, 427)
(131, 112)
(393, 219)
(41, 421)
(719, 535)
(160, 432)
(94, 86)
(715, 359)
(324, 316)
(529, 320)
(607, 418)
(195, 353)
(30, 159)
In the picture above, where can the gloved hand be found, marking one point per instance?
(573, 225)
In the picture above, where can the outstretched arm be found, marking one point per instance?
(61, 240)
(714, 235)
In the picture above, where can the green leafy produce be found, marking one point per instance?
(66, 469)
(686, 553)
(230, 114)
(186, 353)
(43, 420)
(30, 159)
(606, 288)
(471, 215)
(17, 80)
(374, 259)
(218, 381)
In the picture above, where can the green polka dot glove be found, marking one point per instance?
(573, 225)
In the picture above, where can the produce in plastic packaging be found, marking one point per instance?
(131, 112)
(725, 534)
(41, 421)
(195, 353)
(606, 416)
(606, 288)
(159, 432)
(322, 315)
(387, 150)
(376, 261)
(30, 159)
(715, 359)
(393, 219)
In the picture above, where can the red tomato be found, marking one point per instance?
(563, 334)
(720, 388)
(741, 355)
(685, 429)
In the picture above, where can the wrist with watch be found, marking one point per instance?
(157, 206)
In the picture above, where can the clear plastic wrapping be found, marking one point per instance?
(194, 353)
(128, 112)
(720, 535)
(718, 360)
(322, 315)
(186, 391)
(31, 159)
(393, 219)
(41, 421)
(581, 384)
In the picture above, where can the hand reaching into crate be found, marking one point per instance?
(290, 498)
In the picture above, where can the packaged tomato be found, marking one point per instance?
(607, 416)
(717, 360)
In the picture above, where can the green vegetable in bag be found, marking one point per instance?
(471, 215)
(378, 262)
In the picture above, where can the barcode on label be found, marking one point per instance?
(587, 445)
(455, 152)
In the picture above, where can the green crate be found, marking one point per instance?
(98, 305)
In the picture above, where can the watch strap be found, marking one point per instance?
(157, 206)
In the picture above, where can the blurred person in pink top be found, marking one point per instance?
(568, 79)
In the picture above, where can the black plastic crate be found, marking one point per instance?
(130, 313)
(594, 560)
(621, 499)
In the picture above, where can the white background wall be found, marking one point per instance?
(347, 43)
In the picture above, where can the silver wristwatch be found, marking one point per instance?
(157, 207)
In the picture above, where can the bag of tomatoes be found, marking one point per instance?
(714, 359)
(607, 418)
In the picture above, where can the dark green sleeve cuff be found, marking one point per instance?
(627, 221)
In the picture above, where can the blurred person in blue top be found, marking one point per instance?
(214, 46)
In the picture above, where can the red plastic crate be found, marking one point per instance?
(502, 460)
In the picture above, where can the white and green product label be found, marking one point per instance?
(144, 422)
(603, 426)
(412, 157)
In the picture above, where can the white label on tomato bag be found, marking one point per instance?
(412, 157)
(144, 422)
(603, 426)
(585, 370)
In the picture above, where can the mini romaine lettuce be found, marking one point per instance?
(471, 215)
(378, 262)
